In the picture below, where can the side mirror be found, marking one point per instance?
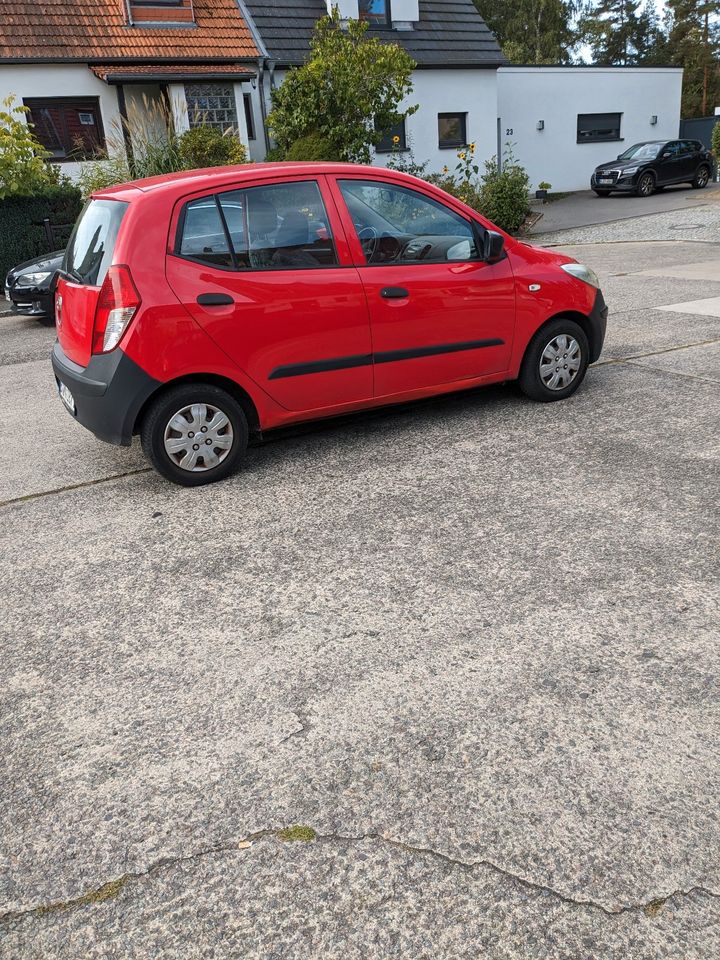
(493, 246)
(665, 156)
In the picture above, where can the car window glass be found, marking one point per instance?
(672, 148)
(686, 146)
(203, 234)
(91, 245)
(282, 226)
(398, 225)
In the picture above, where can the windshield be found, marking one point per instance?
(641, 151)
(89, 252)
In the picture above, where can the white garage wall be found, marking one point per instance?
(557, 95)
(60, 80)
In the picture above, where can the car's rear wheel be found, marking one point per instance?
(602, 193)
(646, 185)
(555, 361)
(195, 433)
(701, 178)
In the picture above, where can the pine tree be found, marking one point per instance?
(611, 28)
(694, 44)
(531, 31)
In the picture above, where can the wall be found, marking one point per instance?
(451, 91)
(60, 80)
(558, 94)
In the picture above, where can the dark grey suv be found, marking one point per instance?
(646, 167)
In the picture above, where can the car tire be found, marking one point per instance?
(602, 193)
(645, 185)
(702, 178)
(536, 374)
(215, 414)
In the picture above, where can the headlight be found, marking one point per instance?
(32, 279)
(582, 272)
(629, 171)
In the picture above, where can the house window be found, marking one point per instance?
(395, 139)
(211, 105)
(249, 118)
(69, 129)
(376, 12)
(593, 127)
(452, 130)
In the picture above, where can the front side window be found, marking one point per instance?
(376, 12)
(69, 129)
(399, 225)
(282, 226)
(452, 130)
(211, 105)
(594, 127)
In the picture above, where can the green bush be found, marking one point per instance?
(312, 147)
(715, 144)
(23, 170)
(504, 194)
(210, 147)
(23, 235)
(99, 174)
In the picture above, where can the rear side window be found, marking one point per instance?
(90, 248)
(282, 226)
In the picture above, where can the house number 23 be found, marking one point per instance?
(508, 131)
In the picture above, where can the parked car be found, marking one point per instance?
(30, 286)
(646, 167)
(200, 308)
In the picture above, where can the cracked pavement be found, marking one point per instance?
(471, 643)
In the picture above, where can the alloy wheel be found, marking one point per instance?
(560, 362)
(646, 185)
(198, 437)
(702, 177)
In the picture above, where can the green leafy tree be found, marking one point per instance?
(694, 44)
(348, 92)
(23, 170)
(532, 31)
(610, 28)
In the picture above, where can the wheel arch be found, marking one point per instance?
(225, 383)
(581, 320)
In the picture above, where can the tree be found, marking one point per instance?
(23, 170)
(531, 31)
(348, 92)
(694, 44)
(611, 29)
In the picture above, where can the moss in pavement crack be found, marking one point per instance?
(297, 833)
(106, 892)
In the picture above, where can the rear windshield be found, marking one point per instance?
(89, 252)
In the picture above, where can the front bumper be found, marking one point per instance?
(598, 326)
(623, 184)
(108, 393)
(31, 302)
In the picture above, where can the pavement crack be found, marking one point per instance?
(303, 834)
(72, 486)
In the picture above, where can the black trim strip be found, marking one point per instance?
(388, 356)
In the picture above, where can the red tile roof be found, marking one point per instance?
(135, 72)
(55, 30)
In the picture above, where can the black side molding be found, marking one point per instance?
(389, 356)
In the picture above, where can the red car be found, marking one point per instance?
(202, 308)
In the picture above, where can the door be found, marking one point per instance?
(438, 312)
(670, 163)
(689, 159)
(265, 270)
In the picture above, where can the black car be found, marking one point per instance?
(30, 287)
(647, 167)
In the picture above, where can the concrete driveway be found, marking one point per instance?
(440, 682)
(585, 208)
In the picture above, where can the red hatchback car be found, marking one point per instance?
(204, 307)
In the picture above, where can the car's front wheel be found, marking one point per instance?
(555, 361)
(701, 178)
(195, 433)
(646, 185)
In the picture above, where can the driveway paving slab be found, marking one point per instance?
(437, 682)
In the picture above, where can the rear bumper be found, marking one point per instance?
(108, 393)
(598, 326)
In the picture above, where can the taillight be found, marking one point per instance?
(117, 305)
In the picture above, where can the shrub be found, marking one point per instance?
(23, 235)
(312, 147)
(98, 174)
(504, 194)
(210, 147)
(715, 144)
(23, 170)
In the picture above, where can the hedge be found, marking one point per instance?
(22, 234)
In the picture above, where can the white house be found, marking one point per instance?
(80, 66)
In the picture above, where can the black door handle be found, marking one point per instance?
(394, 293)
(215, 300)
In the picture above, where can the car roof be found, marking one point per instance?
(186, 181)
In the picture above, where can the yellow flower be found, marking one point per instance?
(446, 169)
(461, 156)
(396, 139)
(472, 148)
